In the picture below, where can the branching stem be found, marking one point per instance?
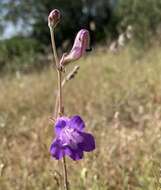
(59, 99)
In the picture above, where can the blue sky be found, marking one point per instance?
(9, 31)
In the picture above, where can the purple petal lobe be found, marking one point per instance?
(88, 143)
(60, 124)
(56, 150)
(76, 122)
(74, 154)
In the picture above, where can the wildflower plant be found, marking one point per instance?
(70, 137)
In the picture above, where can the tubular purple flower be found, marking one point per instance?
(80, 46)
(71, 140)
(54, 18)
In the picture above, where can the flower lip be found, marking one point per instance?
(71, 140)
(54, 18)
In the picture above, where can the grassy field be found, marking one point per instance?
(118, 96)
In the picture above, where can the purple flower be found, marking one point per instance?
(81, 44)
(71, 140)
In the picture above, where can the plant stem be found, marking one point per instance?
(60, 99)
(66, 187)
(70, 76)
(60, 110)
(54, 47)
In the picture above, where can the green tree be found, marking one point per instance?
(145, 16)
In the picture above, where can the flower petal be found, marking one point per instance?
(56, 149)
(76, 122)
(88, 143)
(74, 154)
(60, 124)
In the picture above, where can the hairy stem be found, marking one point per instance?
(60, 99)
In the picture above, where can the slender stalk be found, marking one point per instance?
(66, 187)
(56, 106)
(60, 93)
(60, 98)
(54, 47)
(69, 77)
(56, 64)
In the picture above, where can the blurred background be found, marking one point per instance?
(121, 102)
(24, 29)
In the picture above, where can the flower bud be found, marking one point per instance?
(54, 18)
(80, 46)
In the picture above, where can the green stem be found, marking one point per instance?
(60, 99)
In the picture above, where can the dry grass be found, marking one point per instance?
(120, 99)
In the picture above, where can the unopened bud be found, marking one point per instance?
(54, 18)
(80, 46)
